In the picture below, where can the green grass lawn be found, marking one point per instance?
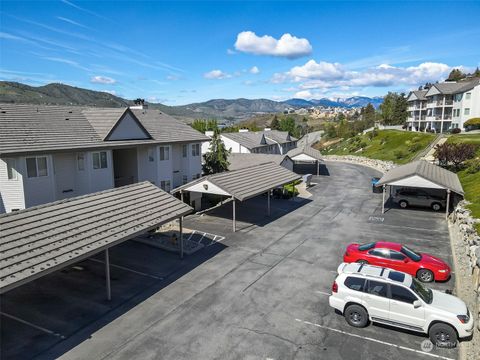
(470, 182)
(393, 145)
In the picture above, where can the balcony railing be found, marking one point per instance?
(449, 102)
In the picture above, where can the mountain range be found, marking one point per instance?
(350, 102)
(222, 109)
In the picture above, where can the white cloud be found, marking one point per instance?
(254, 70)
(287, 46)
(216, 74)
(325, 75)
(231, 52)
(102, 80)
(172, 77)
(304, 94)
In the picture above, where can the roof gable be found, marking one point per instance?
(433, 91)
(128, 127)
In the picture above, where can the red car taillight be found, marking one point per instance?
(334, 287)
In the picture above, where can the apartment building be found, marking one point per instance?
(49, 153)
(444, 106)
(256, 142)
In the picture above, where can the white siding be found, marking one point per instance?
(64, 165)
(165, 168)
(234, 146)
(147, 170)
(128, 129)
(11, 191)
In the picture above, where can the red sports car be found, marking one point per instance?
(399, 257)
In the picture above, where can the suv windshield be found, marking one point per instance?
(424, 293)
(367, 246)
(411, 254)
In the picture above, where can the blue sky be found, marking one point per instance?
(183, 52)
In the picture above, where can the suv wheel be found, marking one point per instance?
(403, 204)
(443, 335)
(425, 275)
(436, 206)
(356, 316)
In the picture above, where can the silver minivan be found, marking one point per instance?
(406, 197)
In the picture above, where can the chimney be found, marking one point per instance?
(209, 133)
(267, 129)
(242, 130)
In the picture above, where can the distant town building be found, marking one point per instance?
(50, 153)
(444, 106)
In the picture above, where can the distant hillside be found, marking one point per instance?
(57, 94)
(222, 109)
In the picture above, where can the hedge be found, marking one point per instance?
(472, 121)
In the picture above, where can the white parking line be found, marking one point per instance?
(128, 269)
(323, 293)
(33, 325)
(374, 340)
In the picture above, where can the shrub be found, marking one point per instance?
(455, 154)
(414, 147)
(472, 122)
(416, 139)
(456, 131)
(400, 154)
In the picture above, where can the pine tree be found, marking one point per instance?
(275, 124)
(477, 72)
(216, 159)
(456, 75)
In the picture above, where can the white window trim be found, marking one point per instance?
(99, 160)
(36, 166)
(81, 154)
(161, 150)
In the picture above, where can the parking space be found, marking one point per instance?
(259, 293)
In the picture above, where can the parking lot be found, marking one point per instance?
(260, 293)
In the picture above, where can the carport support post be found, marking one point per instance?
(318, 167)
(448, 204)
(268, 202)
(383, 201)
(181, 236)
(107, 275)
(233, 214)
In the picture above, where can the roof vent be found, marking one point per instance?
(67, 119)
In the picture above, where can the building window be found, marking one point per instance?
(468, 96)
(165, 185)
(37, 166)
(466, 111)
(164, 153)
(458, 97)
(100, 160)
(184, 150)
(151, 154)
(185, 179)
(11, 172)
(81, 161)
(195, 149)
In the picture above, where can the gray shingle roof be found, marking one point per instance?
(248, 182)
(35, 128)
(253, 139)
(456, 87)
(436, 174)
(307, 150)
(239, 161)
(420, 94)
(45, 238)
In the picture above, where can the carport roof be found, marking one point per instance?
(46, 238)
(247, 182)
(306, 150)
(423, 169)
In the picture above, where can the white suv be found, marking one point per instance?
(365, 292)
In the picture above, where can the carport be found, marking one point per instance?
(242, 184)
(307, 154)
(422, 174)
(39, 240)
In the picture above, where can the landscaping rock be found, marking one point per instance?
(380, 165)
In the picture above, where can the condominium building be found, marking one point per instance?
(50, 153)
(444, 106)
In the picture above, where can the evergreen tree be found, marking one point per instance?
(368, 115)
(456, 75)
(216, 159)
(275, 124)
(477, 72)
(400, 113)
